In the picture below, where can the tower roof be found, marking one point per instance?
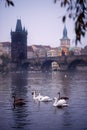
(18, 26)
(65, 33)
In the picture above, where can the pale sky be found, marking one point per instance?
(41, 18)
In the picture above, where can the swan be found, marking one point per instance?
(41, 98)
(63, 97)
(61, 101)
(36, 97)
(45, 99)
(18, 102)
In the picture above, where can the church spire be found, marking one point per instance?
(18, 26)
(65, 41)
(65, 33)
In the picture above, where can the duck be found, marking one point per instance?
(41, 98)
(60, 101)
(18, 101)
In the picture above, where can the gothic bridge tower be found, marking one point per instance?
(18, 43)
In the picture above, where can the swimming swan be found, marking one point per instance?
(60, 102)
(41, 98)
(63, 97)
(18, 101)
(45, 99)
(36, 97)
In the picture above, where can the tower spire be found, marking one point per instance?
(65, 33)
(18, 26)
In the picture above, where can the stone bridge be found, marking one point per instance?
(64, 62)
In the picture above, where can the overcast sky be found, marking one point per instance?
(41, 18)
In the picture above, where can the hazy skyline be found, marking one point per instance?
(41, 18)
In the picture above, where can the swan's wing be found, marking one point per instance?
(46, 98)
(61, 102)
(65, 105)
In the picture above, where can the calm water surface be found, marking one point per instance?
(43, 116)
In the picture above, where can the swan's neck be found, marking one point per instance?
(39, 94)
(55, 100)
(34, 95)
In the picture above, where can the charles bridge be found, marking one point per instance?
(64, 62)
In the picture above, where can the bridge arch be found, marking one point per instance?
(77, 62)
(46, 65)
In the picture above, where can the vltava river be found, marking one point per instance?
(43, 116)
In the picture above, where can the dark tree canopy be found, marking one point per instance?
(77, 10)
(8, 2)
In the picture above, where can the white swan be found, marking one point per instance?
(36, 97)
(41, 98)
(45, 99)
(60, 102)
(63, 97)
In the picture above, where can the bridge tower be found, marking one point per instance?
(65, 41)
(18, 43)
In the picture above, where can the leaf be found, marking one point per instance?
(55, 1)
(61, 4)
(9, 2)
(64, 18)
(83, 33)
(65, 2)
(70, 15)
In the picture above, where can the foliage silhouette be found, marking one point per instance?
(76, 10)
(8, 2)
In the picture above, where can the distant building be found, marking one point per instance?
(36, 48)
(5, 49)
(77, 50)
(30, 52)
(65, 42)
(1, 49)
(59, 51)
(47, 48)
(40, 51)
(84, 51)
(54, 66)
(53, 52)
(18, 43)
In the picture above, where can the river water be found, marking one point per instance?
(43, 116)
